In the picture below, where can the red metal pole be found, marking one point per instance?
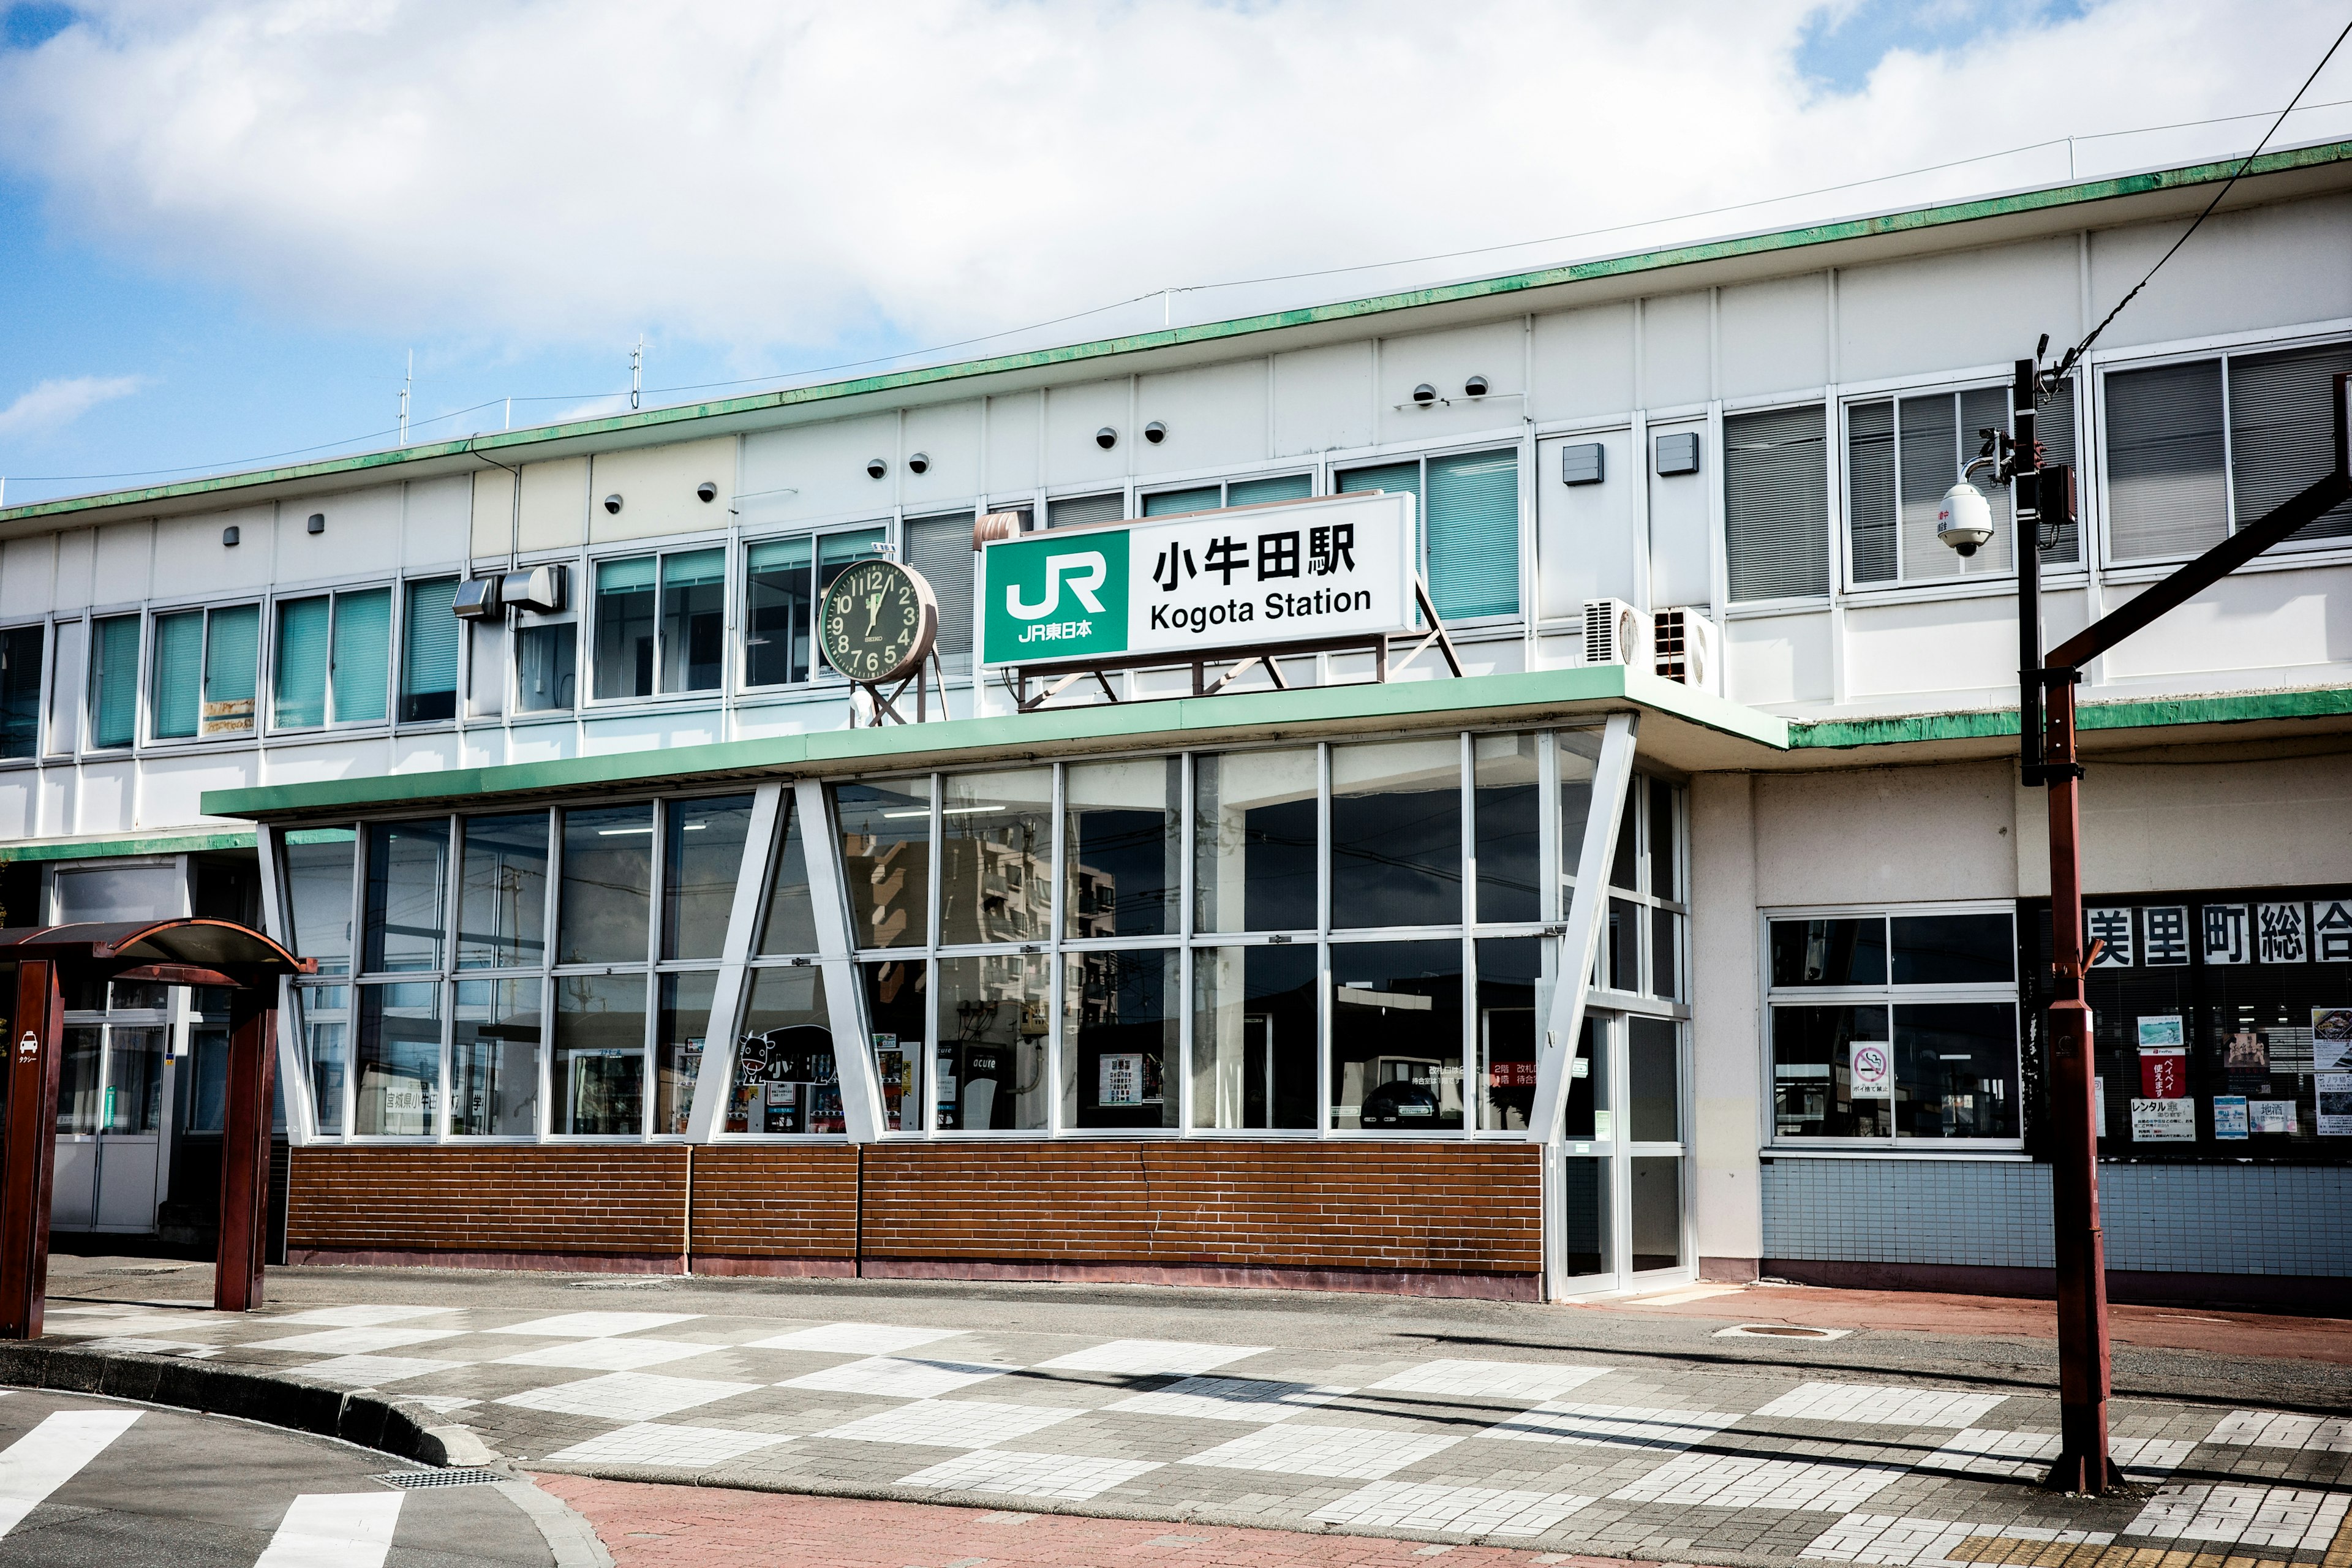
(39, 1032)
(2083, 1349)
(245, 1149)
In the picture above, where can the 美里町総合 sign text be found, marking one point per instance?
(1316, 570)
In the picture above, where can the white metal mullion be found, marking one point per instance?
(1327, 1105)
(550, 952)
(445, 984)
(1474, 1053)
(1586, 910)
(861, 1087)
(301, 1115)
(1058, 802)
(1548, 826)
(715, 1070)
(1186, 1040)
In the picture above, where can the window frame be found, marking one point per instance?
(737, 678)
(1223, 481)
(1888, 995)
(1336, 469)
(151, 706)
(41, 699)
(591, 617)
(395, 587)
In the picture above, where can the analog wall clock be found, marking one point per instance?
(877, 620)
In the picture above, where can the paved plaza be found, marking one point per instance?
(1720, 1458)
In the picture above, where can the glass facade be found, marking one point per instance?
(1349, 938)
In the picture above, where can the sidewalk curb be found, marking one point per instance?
(372, 1420)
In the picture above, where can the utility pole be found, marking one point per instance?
(2043, 495)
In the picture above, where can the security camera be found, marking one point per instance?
(921, 463)
(1106, 437)
(1474, 387)
(613, 504)
(876, 468)
(1964, 519)
(705, 491)
(1155, 432)
(1425, 394)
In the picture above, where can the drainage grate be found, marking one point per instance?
(409, 1481)
(1778, 1331)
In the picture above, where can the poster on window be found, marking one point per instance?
(2272, 1116)
(2099, 1105)
(2244, 1055)
(1128, 1078)
(2226, 928)
(1872, 1076)
(2335, 1104)
(2164, 1120)
(2161, 1030)
(2331, 1039)
(2229, 1116)
(2280, 934)
(2164, 1071)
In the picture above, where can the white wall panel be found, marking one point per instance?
(1012, 442)
(125, 562)
(1726, 1032)
(437, 524)
(1682, 521)
(1773, 336)
(77, 564)
(361, 538)
(792, 718)
(542, 742)
(2269, 266)
(494, 512)
(949, 434)
(28, 570)
(191, 560)
(657, 487)
(1215, 418)
(1444, 361)
(2262, 620)
(1073, 415)
(1892, 835)
(1323, 399)
(1676, 362)
(59, 787)
(612, 733)
(1584, 364)
(554, 504)
(2209, 818)
(811, 471)
(19, 804)
(1934, 313)
(105, 797)
(1777, 659)
(172, 785)
(316, 761)
(1585, 533)
(1937, 645)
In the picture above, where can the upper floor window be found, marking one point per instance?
(1894, 1025)
(1229, 493)
(2198, 449)
(20, 691)
(114, 682)
(1469, 512)
(1070, 511)
(785, 578)
(1902, 454)
(333, 659)
(1776, 504)
(660, 623)
(206, 663)
(428, 654)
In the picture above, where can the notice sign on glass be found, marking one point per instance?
(2164, 1120)
(1312, 571)
(1128, 1078)
(1873, 1072)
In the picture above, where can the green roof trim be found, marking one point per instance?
(656, 419)
(2320, 703)
(106, 848)
(1175, 721)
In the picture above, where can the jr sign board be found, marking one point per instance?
(1311, 571)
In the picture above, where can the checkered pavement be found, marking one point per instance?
(1649, 1458)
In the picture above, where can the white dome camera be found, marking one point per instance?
(1964, 519)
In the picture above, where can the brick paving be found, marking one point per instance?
(1552, 1452)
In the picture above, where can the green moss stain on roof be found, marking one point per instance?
(2131, 714)
(678, 418)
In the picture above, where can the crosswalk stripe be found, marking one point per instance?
(51, 1454)
(335, 1529)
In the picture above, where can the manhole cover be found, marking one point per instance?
(409, 1481)
(1778, 1331)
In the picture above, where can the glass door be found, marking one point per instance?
(111, 1096)
(1623, 1195)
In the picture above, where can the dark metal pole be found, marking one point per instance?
(2025, 538)
(37, 1030)
(244, 1148)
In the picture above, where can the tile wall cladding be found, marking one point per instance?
(2181, 1219)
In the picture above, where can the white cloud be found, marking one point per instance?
(773, 176)
(53, 405)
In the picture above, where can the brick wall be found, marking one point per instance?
(1238, 1211)
(776, 1202)
(1376, 1207)
(610, 1201)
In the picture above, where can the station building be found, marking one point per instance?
(1696, 930)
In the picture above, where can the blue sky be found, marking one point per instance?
(223, 227)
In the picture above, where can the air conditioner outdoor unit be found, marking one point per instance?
(1615, 633)
(1689, 649)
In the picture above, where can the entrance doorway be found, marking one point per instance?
(112, 1158)
(1624, 1189)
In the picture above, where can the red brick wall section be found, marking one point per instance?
(618, 1201)
(1390, 1206)
(777, 1202)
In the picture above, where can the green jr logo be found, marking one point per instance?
(1050, 599)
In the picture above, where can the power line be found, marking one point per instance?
(2077, 351)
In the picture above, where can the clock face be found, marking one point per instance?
(876, 620)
